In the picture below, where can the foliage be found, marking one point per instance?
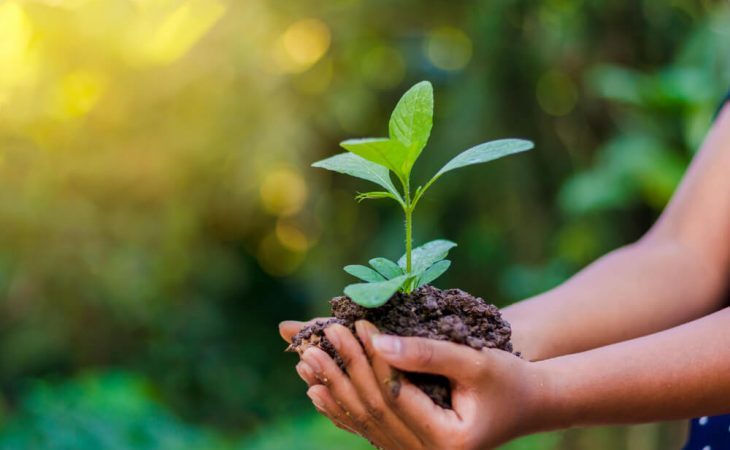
(372, 159)
(307, 432)
(534, 442)
(106, 411)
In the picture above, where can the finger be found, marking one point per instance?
(326, 405)
(339, 386)
(412, 354)
(358, 369)
(307, 374)
(342, 391)
(419, 414)
(363, 380)
(384, 374)
(288, 328)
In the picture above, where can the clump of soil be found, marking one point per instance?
(449, 315)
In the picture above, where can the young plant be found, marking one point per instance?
(373, 159)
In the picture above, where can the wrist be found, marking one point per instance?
(550, 409)
(532, 335)
(525, 337)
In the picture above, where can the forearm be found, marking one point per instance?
(675, 374)
(678, 272)
(637, 290)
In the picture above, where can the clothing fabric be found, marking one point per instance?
(710, 433)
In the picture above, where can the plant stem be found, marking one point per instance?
(409, 226)
(409, 238)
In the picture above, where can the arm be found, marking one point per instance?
(677, 373)
(676, 273)
(674, 374)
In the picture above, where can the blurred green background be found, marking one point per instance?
(158, 215)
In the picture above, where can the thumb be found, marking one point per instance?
(289, 328)
(413, 354)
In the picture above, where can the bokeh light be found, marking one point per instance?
(276, 257)
(17, 58)
(78, 93)
(283, 192)
(557, 94)
(303, 44)
(291, 237)
(383, 67)
(448, 48)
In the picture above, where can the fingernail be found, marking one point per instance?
(316, 400)
(288, 323)
(305, 371)
(333, 335)
(365, 330)
(311, 360)
(386, 343)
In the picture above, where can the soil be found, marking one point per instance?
(448, 315)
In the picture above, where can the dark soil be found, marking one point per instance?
(450, 315)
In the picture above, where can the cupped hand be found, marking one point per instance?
(496, 396)
(354, 401)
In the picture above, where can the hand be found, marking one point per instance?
(338, 398)
(288, 329)
(496, 396)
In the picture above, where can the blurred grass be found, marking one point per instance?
(159, 217)
(109, 411)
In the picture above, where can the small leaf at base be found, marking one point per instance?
(386, 267)
(434, 272)
(427, 254)
(364, 273)
(372, 295)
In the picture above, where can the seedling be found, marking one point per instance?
(373, 159)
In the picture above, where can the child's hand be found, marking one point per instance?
(496, 396)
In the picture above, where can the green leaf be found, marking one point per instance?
(411, 122)
(489, 151)
(372, 295)
(356, 166)
(434, 272)
(374, 196)
(386, 152)
(364, 273)
(427, 254)
(386, 267)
